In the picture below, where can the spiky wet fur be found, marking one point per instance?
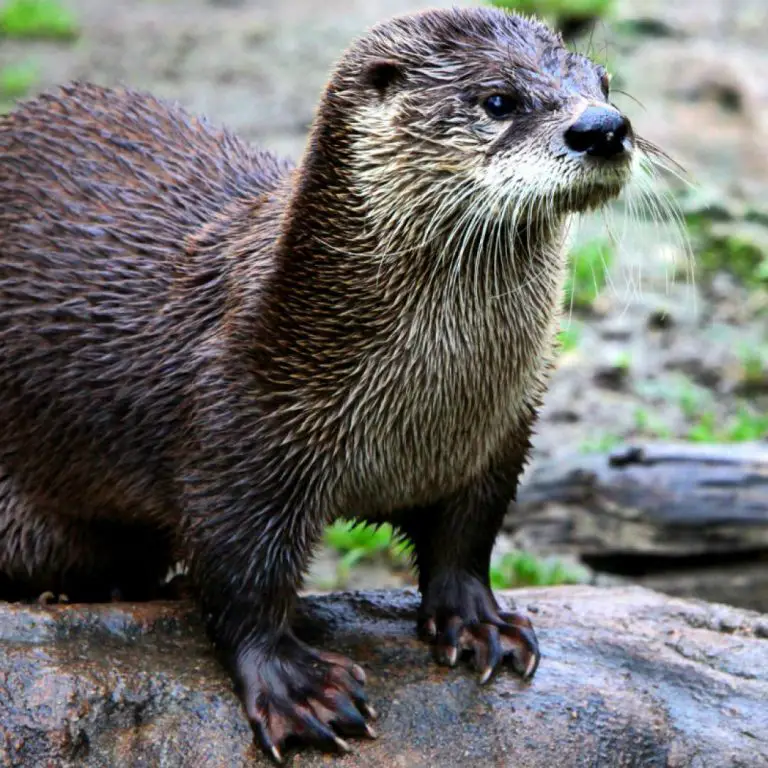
(206, 348)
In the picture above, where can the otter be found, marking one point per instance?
(208, 353)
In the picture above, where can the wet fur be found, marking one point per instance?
(203, 347)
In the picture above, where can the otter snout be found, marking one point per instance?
(600, 132)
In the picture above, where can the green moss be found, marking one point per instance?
(517, 569)
(591, 264)
(37, 19)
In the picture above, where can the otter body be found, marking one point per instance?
(207, 354)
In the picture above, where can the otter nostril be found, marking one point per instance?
(599, 132)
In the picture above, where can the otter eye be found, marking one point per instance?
(500, 106)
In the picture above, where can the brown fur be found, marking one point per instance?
(207, 353)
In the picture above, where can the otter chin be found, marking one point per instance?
(209, 353)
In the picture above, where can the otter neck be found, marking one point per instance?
(333, 231)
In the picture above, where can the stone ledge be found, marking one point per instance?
(628, 677)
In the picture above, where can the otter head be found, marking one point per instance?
(474, 109)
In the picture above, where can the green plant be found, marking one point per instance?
(581, 9)
(522, 569)
(603, 444)
(745, 425)
(357, 541)
(37, 19)
(648, 424)
(589, 274)
(572, 17)
(754, 364)
(727, 241)
(569, 337)
(623, 361)
(16, 81)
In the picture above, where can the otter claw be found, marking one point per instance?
(301, 692)
(370, 711)
(530, 668)
(342, 745)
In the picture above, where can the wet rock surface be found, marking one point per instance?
(660, 349)
(628, 678)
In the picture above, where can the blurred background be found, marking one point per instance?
(659, 341)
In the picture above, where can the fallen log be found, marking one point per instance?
(691, 518)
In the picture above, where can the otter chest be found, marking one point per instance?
(434, 407)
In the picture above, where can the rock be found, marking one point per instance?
(628, 678)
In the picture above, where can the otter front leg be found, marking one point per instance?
(250, 529)
(453, 542)
(247, 561)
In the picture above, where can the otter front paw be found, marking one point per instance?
(293, 690)
(460, 615)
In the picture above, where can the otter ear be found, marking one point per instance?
(382, 74)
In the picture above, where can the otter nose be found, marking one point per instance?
(599, 132)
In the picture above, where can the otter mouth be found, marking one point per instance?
(598, 185)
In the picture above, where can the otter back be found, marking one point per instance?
(99, 191)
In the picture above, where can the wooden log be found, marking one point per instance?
(686, 519)
(654, 499)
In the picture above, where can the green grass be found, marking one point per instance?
(602, 444)
(704, 426)
(356, 542)
(647, 423)
(590, 265)
(745, 426)
(46, 19)
(519, 569)
(16, 81)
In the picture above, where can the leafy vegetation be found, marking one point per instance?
(357, 541)
(16, 81)
(647, 423)
(602, 444)
(569, 337)
(37, 19)
(558, 9)
(745, 425)
(736, 252)
(591, 264)
(517, 569)
(726, 237)
(754, 364)
(572, 17)
(697, 406)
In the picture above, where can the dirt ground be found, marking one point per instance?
(694, 75)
